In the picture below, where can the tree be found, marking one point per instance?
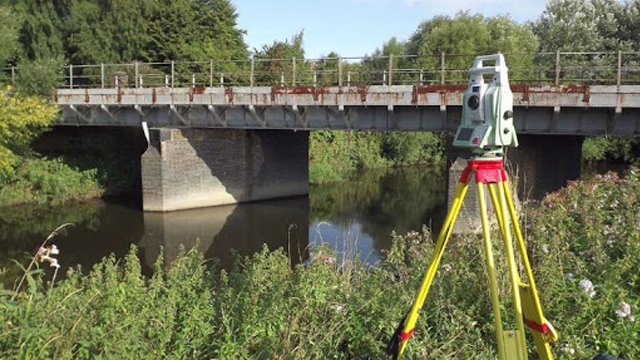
(375, 68)
(21, 119)
(581, 26)
(471, 35)
(8, 35)
(274, 63)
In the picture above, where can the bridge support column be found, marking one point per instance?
(540, 165)
(191, 168)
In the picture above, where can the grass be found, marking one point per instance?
(266, 309)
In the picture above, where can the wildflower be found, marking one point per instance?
(624, 310)
(545, 248)
(447, 268)
(45, 255)
(587, 286)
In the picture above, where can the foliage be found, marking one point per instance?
(590, 230)
(8, 35)
(619, 149)
(412, 147)
(334, 155)
(21, 119)
(578, 25)
(265, 309)
(39, 77)
(473, 35)
(49, 181)
(274, 63)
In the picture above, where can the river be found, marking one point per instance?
(354, 218)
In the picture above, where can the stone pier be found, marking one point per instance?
(192, 168)
(541, 164)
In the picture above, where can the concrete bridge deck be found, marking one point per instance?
(539, 109)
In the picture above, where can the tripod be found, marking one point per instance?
(489, 173)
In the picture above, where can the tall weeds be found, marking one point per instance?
(264, 309)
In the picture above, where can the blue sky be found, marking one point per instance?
(358, 27)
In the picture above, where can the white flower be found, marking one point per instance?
(340, 309)
(568, 349)
(624, 310)
(587, 287)
(44, 255)
(545, 248)
(447, 268)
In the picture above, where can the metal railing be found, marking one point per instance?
(555, 68)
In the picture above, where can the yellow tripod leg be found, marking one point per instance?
(543, 332)
(514, 276)
(493, 283)
(441, 243)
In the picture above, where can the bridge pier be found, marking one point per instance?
(192, 168)
(540, 165)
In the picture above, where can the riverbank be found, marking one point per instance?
(335, 155)
(584, 242)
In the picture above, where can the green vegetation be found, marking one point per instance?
(614, 149)
(265, 309)
(335, 155)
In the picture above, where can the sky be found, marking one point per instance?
(358, 27)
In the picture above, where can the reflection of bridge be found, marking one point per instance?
(571, 94)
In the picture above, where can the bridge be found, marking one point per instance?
(216, 126)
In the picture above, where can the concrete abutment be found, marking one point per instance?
(192, 168)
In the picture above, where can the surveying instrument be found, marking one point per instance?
(485, 130)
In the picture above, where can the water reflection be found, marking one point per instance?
(354, 218)
(359, 217)
(223, 230)
(103, 228)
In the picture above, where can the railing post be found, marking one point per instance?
(102, 75)
(384, 77)
(221, 79)
(173, 73)
(282, 79)
(137, 74)
(349, 78)
(315, 78)
(390, 69)
(293, 72)
(210, 72)
(13, 75)
(421, 81)
(442, 67)
(339, 71)
(557, 80)
(253, 70)
(70, 76)
(193, 80)
(619, 74)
